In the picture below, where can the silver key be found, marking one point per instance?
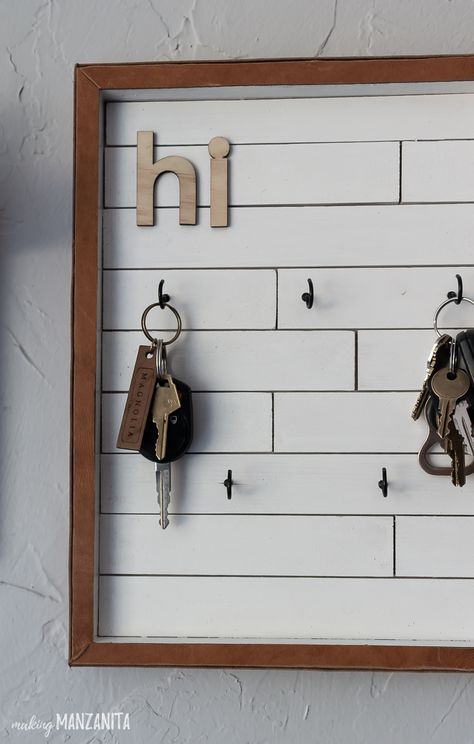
(463, 424)
(454, 444)
(449, 387)
(163, 489)
(165, 402)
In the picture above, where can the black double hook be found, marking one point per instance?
(162, 298)
(383, 483)
(459, 294)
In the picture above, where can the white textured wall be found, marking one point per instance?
(39, 44)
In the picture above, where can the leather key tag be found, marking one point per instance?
(140, 396)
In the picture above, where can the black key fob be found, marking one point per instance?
(465, 351)
(180, 428)
(465, 361)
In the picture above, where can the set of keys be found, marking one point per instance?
(446, 397)
(168, 434)
(158, 415)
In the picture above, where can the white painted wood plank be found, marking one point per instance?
(205, 299)
(294, 120)
(243, 545)
(394, 360)
(346, 422)
(438, 171)
(372, 298)
(294, 236)
(283, 484)
(337, 173)
(333, 609)
(436, 546)
(223, 422)
(242, 360)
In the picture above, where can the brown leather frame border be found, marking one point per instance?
(90, 80)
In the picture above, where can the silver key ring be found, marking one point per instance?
(453, 356)
(161, 360)
(443, 305)
(154, 341)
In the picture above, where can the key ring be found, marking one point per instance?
(161, 360)
(453, 356)
(443, 305)
(154, 341)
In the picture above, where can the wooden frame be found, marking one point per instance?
(90, 81)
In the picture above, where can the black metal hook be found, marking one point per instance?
(459, 294)
(228, 483)
(162, 298)
(383, 484)
(308, 297)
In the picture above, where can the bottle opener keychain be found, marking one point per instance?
(157, 420)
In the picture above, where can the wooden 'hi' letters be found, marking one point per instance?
(148, 171)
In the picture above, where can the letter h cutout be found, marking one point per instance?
(147, 173)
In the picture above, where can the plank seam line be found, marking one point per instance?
(325, 267)
(351, 577)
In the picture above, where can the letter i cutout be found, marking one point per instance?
(218, 150)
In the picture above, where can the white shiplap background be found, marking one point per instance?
(368, 196)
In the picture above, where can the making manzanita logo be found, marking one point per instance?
(113, 721)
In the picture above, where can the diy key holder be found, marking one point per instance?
(332, 574)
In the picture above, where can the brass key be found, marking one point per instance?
(449, 387)
(165, 402)
(431, 365)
